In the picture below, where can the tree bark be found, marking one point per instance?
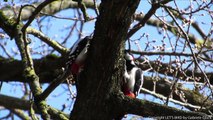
(47, 68)
(103, 68)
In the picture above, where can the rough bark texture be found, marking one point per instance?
(110, 32)
(47, 68)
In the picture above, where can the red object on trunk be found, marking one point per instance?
(75, 68)
(129, 93)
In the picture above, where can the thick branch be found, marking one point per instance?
(146, 108)
(51, 9)
(13, 103)
(47, 40)
(47, 68)
(20, 114)
(16, 103)
(182, 94)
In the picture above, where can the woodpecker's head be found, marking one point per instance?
(129, 59)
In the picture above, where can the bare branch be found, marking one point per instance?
(29, 71)
(187, 105)
(169, 70)
(190, 47)
(20, 114)
(150, 109)
(35, 13)
(179, 15)
(161, 53)
(170, 27)
(49, 41)
(50, 9)
(154, 7)
(16, 103)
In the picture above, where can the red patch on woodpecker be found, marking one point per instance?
(127, 92)
(75, 68)
(130, 94)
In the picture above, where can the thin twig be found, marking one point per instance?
(5, 51)
(161, 53)
(60, 79)
(190, 47)
(187, 105)
(154, 7)
(35, 13)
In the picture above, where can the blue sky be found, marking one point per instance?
(57, 30)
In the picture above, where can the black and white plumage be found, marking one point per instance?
(133, 77)
(78, 54)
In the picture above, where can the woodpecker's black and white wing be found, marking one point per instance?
(76, 49)
(79, 44)
(138, 81)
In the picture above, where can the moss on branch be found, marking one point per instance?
(17, 103)
(29, 72)
(48, 41)
(7, 24)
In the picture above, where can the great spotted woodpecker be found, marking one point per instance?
(78, 54)
(133, 77)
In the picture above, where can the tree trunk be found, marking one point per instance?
(103, 70)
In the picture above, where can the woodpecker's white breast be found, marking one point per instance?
(131, 79)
